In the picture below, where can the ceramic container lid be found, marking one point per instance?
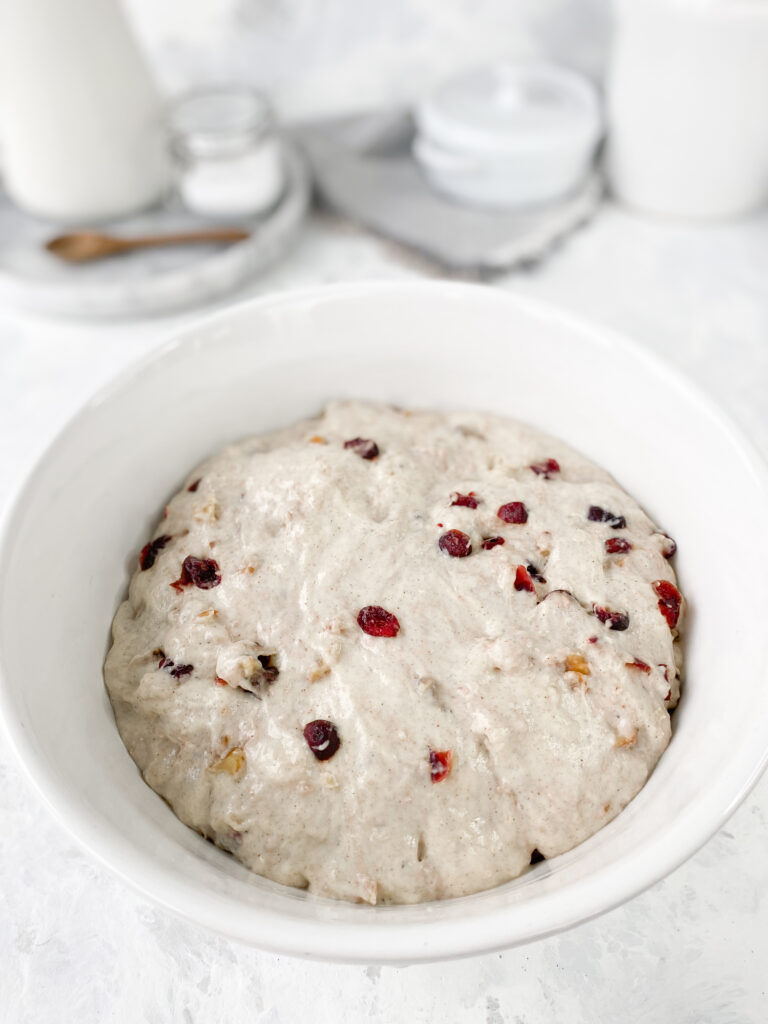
(508, 108)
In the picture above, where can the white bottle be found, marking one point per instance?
(687, 104)
(83, 138)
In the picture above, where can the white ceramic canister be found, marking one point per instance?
(687, 106)
(509, 135)
(83, 137)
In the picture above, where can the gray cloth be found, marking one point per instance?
(364, 170)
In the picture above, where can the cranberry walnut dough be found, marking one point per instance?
(395, 656)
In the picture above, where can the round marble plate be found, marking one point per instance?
(149, 281)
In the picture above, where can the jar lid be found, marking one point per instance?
(219, 121)
(508, 108)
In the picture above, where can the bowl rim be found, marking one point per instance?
(385, 942)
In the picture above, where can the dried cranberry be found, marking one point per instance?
(666, 672)
(617, 546)
(513, 512)
(602, 515)
(150, 551)
(322, 738)
(670, 599)
(363, 447)
(537, 857)
(547, 468)
(523, 580)
(200, 572)
(440, 764)
(670, 548)
(466, 500)
(179, 671)
(592, 639)
(613, 620)
(491, 542)
(193, 487)
(638, 663)
(271, 672)
(376, 621)
(456, 544)
(534, 573)
(220, 682)
(162, 660)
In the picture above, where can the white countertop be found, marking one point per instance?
(77, 945)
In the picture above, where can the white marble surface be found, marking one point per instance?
(76, 945)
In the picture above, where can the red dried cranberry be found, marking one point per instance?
(162, 660)
(271, 672)
(523, 580)
(602, 515)
(547, 468)
(670, 599)
(666, 672)
(534, 573)
(491, 542)
(179, 671)
(617, 546)
(670, 548)
(193, 487)
(150, 551)
(376, 621)
(322, 738)
(592, 639)
(639, 664)
(440, 764)
(456, 544)
(537, 857)
(466, 500)
(363, 447)
(613, 620)
(200, 572)
(513, 512)
(220, 682)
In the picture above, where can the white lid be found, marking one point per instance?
(508, 107)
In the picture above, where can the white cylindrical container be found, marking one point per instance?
(83, 137)
(509, 135)
(687, 105)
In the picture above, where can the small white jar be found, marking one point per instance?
(228, 154)
(510, 135)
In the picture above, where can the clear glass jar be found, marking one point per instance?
(228, 154)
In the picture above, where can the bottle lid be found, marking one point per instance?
(219, 121)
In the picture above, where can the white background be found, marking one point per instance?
(75, 944)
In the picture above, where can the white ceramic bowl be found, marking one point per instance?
(72, 538)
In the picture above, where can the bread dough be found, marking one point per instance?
(506, 710)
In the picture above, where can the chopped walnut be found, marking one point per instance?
(577, 663)
(208, 613)
(208, 511)
(319, 671)
(232, 763)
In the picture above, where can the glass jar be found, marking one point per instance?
(228, 154)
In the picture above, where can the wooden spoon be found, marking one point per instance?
(83, 246)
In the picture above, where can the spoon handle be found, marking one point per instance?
(184, 237)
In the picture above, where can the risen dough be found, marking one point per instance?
(497, 721)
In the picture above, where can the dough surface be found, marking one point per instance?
(514, 712)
